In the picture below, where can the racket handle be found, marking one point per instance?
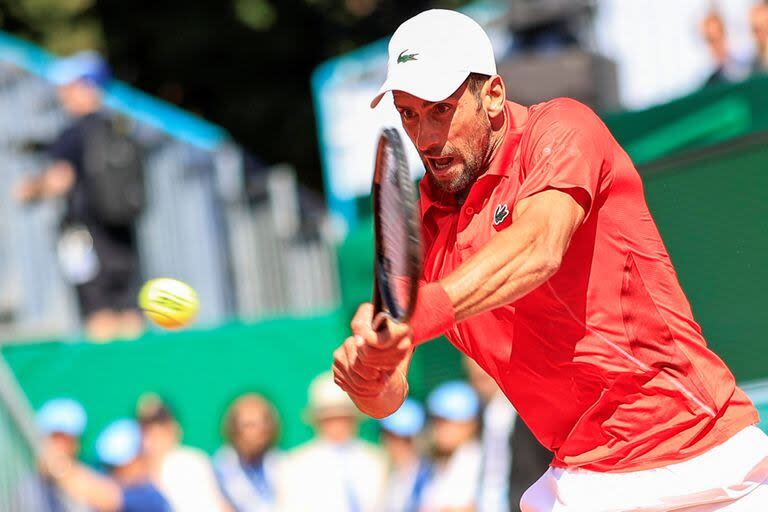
(379, 322)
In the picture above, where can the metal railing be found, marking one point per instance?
(247, 257)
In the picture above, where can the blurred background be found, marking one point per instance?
(243, 132)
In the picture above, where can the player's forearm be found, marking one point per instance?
(392, 396)
(513, 263)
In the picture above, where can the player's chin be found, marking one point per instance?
(451, 181)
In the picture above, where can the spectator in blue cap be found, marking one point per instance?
(62, 421)
(96, 167)
(409, 471)
(127, 489)
(454, 409)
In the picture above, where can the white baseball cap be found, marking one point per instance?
(431, 54)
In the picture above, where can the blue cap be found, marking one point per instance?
(62, 416)
(407, 421)
(454, 401)
(89, 66)
(119, 443)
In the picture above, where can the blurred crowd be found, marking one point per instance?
(463, 450)
(729, 66)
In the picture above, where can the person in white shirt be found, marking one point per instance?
(246, 467)
(454, 410)
(335, 471)
(409, 471)
(184, 475)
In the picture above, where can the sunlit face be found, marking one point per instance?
(79, 98)
(159, 438)
(64, 444)
(448, 436)
(759, 22)
(254, 429)
(453, 137)
(337, 429)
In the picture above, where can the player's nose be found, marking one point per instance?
(427, 139)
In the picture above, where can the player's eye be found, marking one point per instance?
(443, 108)
(407, 113)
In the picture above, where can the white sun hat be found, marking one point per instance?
(431, 54)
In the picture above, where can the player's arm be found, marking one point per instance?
(518, 259)
(372, 367)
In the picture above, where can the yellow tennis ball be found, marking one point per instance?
(169, 303)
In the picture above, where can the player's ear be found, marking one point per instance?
(494, 95)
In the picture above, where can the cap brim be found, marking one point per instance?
(428, 85)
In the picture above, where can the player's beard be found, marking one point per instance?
(472, 154)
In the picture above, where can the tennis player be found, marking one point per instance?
(543, 264)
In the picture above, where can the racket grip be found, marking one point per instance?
(379, 322)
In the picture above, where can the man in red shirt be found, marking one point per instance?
(543, 264)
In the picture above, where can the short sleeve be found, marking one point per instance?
(565, 150)
(68, 146)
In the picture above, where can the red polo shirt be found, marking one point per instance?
(604, 361)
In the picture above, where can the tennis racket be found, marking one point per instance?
(397, 261)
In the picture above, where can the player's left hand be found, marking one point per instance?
(382, 349)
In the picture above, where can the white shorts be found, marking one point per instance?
(731, 477)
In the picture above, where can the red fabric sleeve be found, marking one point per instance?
(434, 313)
(566, 151)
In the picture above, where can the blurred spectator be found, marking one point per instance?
(62, 422)
(728, 68)
(758, 18)
(97, 169)
(247, 466)
(454, 408)
(184, 475)
(497, 420)
(119, 449)
(335, 471)
(409, 471)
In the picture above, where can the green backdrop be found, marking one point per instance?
(201, 372)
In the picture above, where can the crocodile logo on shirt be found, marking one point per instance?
(499, 214)
(405, 58)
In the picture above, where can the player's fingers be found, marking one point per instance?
(363, 316)
(391, 334)
(357, 366)
(362, 324)
(362, 379)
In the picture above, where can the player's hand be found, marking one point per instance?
(354, 376)
(382, 349)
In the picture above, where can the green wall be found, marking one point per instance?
(200, 372)
(712, 210)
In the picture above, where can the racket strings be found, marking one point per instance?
(395, 257)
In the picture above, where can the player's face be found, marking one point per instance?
(453, 137)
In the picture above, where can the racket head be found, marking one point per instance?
(397, 259)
